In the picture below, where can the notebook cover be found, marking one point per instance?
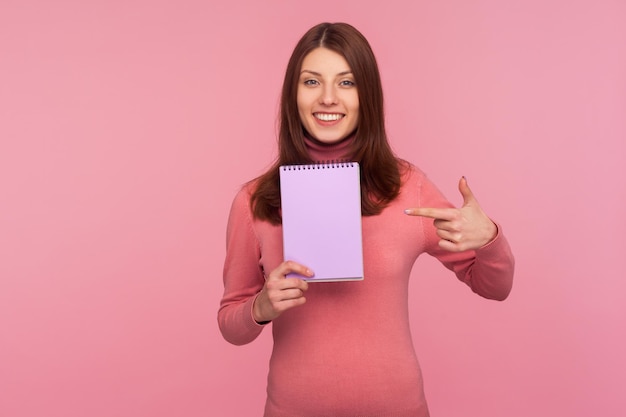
(321, 212)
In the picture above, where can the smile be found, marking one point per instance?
(328, 117)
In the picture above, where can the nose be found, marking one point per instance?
(329, 95)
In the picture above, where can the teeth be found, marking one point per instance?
(328, 117)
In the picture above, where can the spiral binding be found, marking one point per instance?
(319, 165)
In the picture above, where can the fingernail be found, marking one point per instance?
(407, 211)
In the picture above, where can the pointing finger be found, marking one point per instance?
(433, 213)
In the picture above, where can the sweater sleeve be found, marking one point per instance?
(488, 271)
(243, 276)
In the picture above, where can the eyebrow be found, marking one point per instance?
(319, 75)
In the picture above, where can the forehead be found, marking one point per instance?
(323, 60)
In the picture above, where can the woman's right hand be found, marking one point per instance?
(280, 293)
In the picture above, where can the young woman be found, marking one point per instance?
(345, 348)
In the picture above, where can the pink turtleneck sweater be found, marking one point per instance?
(348, 351)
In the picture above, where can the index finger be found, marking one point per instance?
(433, 213)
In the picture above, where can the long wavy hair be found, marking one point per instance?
(380, 169)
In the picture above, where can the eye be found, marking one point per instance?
(347, 83)
(310, 82)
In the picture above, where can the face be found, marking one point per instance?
(328, 99)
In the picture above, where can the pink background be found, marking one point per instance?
(126, 128)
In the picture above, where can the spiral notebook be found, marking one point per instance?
(321, 211)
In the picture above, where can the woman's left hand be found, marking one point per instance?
(460, 229)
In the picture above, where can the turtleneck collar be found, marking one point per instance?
(320, 152)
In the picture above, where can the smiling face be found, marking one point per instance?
(328, 99)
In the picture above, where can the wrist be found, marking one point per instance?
(492, 232)
(256, 314)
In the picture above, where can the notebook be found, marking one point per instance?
(321, 212)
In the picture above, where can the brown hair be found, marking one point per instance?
(380, 172)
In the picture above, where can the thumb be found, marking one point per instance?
(468, 196)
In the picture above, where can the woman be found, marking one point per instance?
(345, 349)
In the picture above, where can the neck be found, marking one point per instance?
(320, 151)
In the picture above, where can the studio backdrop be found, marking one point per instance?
(127, 127)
